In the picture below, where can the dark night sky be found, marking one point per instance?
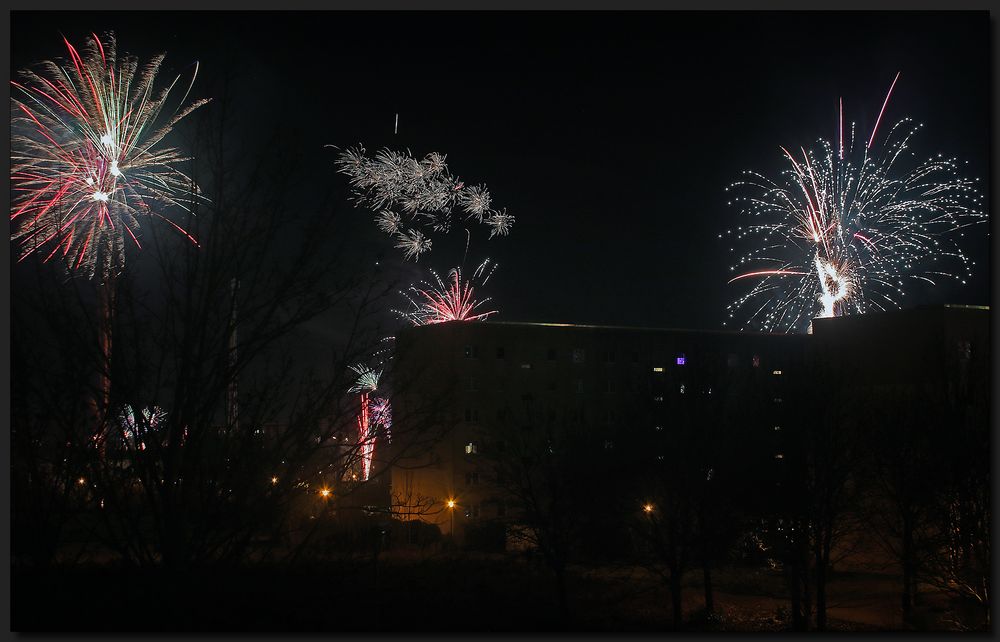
(610, 136)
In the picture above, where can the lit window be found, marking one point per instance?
(658, 398)
(471, 448)
(526, 366)
(779, 456)
(776, 372)
(777, 428)
(659, 428)
(680, 359)
(683, 389)
(777, 400)
(657, 369)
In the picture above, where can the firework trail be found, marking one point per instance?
(846, 226)
(374, 415)
(448, 300)
(416, 198)
(85, 161)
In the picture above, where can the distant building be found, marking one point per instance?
(471, 377)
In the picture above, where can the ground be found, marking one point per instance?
(429, 592)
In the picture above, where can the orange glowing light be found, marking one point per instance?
(648, 508)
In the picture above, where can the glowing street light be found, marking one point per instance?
(324, 493)
(451, 507)
(647, 508)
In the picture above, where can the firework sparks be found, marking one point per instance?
(368, 378)
(416, 197)
(85, 161)
(453, 300)
(137, 427)
(845, 226)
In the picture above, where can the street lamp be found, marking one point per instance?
(451, 507)
(647, 508)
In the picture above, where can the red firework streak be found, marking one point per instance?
(366, 440)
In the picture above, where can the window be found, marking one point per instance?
(471, 352)
(525, 366)
(471, 448)
(658, 428)
(776, 372)
(683, 389)
(777, 400)
(658, 369)
(500, 352)
(658, 398)
(964, 350)
(472, 416)
(579, 355)
(680, 359)
(552, 354)
(609, 356)
(471, 479)
(777, 428)
(608, 444)
(779, 456)
(579, 386)
(611, 385)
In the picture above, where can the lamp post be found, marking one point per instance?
(451, 507)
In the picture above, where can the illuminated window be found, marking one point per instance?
(779, 456)
(471, 448)
(776, 372)
(525, 366)
(680, 359)
(777, 400)
(658, 428)
(683, 389)
(658, 398)
(579, 355)
(658, 369)
(777, 428)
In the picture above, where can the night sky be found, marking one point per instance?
(609, 136)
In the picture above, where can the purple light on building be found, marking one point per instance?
(680, 360)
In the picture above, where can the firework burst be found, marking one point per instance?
(368, 379)
(448, 300)
(137, 427)
(416, 197)
(85, 161)
(846, 226)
